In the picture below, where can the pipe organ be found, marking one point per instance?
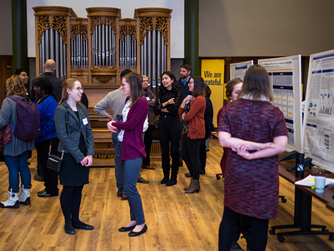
(97, 48)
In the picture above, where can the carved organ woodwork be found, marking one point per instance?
(95, 49)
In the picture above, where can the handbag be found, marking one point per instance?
(54, 162)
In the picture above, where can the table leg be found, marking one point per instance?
(302, 219)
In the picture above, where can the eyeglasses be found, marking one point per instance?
(191, 82)
(79, 89)
(145, 80)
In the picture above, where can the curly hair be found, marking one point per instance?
(15, 86)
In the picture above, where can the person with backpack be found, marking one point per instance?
(16, 151)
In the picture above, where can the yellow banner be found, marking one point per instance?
(213, 75)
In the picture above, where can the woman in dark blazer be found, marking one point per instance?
(76, 139)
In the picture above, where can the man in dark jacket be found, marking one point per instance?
(49, 68)
(183, 82)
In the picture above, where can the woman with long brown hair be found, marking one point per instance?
(130, 131)
(192, 111)
(166, 105)
(255, 130)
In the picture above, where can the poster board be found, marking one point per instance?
(238, 70)
(285, 77)
(319, 110)
(213, 75)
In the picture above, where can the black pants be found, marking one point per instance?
(169, 131)
(191, 155)
(229, 226)
(202, 154)
(148, 143)
(70, 200)
(50, 176)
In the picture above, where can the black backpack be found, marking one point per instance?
(28, 125)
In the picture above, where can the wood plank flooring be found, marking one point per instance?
(176, 221)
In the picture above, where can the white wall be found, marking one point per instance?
(265, 27)
(127, 11)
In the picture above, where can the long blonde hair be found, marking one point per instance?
(15, 86)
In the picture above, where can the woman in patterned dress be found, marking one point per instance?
(255, 130)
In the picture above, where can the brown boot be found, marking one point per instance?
(194, 187)
(187, 188)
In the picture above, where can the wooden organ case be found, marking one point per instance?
(96, 49)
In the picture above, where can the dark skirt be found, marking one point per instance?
(73, 173)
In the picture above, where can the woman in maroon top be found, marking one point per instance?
(192, 111)
(255, 130)
(130, 131)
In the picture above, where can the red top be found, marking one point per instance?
(133, 145)
(195, 116)
(251, 186)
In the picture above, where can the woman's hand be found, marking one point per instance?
(241, 151)
(169, 102)
(112, 128)
(87, 161)
(164, 110)
(186, 99)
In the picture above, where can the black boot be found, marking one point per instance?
(69, 229)
(164, 180)
(166, 175)
(171, 182)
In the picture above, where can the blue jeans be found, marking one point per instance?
(15, 165)
(131, 171)
(118, 165)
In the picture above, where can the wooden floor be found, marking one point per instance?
(176, 221)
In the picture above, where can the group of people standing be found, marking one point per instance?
(64, 127)
(251, 130)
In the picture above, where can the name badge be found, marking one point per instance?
(85, 121)
(148, 98)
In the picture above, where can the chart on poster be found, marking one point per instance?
(285, 77)
(319, 117)
(238, 70)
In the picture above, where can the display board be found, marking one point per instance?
(319, 115)
(213, 75)
(238, 70)
(285, 77)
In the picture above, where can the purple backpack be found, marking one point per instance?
(28, 125)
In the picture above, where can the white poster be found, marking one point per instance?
(319, 117)
(238, 70)
(285, 77)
